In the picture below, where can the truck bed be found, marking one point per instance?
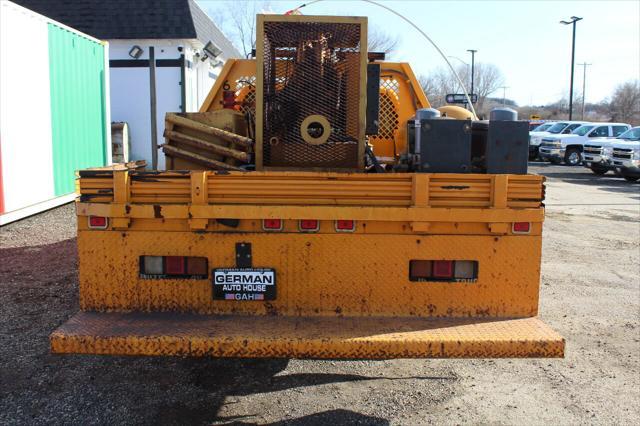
(339, 294)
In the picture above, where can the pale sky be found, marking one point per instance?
(524, 39)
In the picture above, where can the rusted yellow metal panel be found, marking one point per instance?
(361, 278)
(317, 274)
(309, 188)
(326, 226)
(356, 338)
(380, 214)
(209, 103)
(401, 95)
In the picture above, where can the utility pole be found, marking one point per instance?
(584, 66)
(473, 63)
(504, 94)
(573, 21)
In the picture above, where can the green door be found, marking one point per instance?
(78, 93)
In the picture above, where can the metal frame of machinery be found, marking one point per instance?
(311, 70)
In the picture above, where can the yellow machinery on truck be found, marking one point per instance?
(313, 211)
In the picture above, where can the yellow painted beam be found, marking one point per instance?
(387, 214)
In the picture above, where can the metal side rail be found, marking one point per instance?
(305, 337)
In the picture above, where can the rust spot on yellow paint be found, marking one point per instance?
(157, 211)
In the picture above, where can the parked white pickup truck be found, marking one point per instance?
(569, 148)
(557, 128)
(626, 155)
(597, 154)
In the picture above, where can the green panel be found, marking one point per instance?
(76, 69)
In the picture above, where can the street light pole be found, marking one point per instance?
(473, 56)
(573, 21)
(584, 66)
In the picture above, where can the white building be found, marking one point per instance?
(187, 48)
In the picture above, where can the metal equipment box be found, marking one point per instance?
(311, 92)
(507, 147)
(444, 146)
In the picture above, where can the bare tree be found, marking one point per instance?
(431, 87)
(437, 85)
(238, 20)
(487, 79)
(625, 102)
(624, 106)
(380, 41)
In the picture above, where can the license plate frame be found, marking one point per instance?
(244, 284)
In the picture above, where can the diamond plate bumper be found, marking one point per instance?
(295, 337)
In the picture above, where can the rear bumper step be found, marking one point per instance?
(306, 337)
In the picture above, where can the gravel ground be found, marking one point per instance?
(590, 293)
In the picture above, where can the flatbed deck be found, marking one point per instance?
(296, 337)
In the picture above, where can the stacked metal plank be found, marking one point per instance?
(208, 140)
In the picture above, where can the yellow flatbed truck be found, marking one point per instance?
(309, 264)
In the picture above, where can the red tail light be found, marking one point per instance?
(174, 265)
(98, 222)
(419, 269)
(442, 269)
(197, 266)
(272, 224)
(345, 225)
(309, 225)
(521, 227)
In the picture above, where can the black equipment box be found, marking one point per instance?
(507, 147)
(373, 98)
(443, 146)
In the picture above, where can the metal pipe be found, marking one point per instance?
(208, 162)
(152, 97)
(183, 83)
(207, 145)
(210, 130)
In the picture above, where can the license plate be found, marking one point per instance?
(244, 284)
